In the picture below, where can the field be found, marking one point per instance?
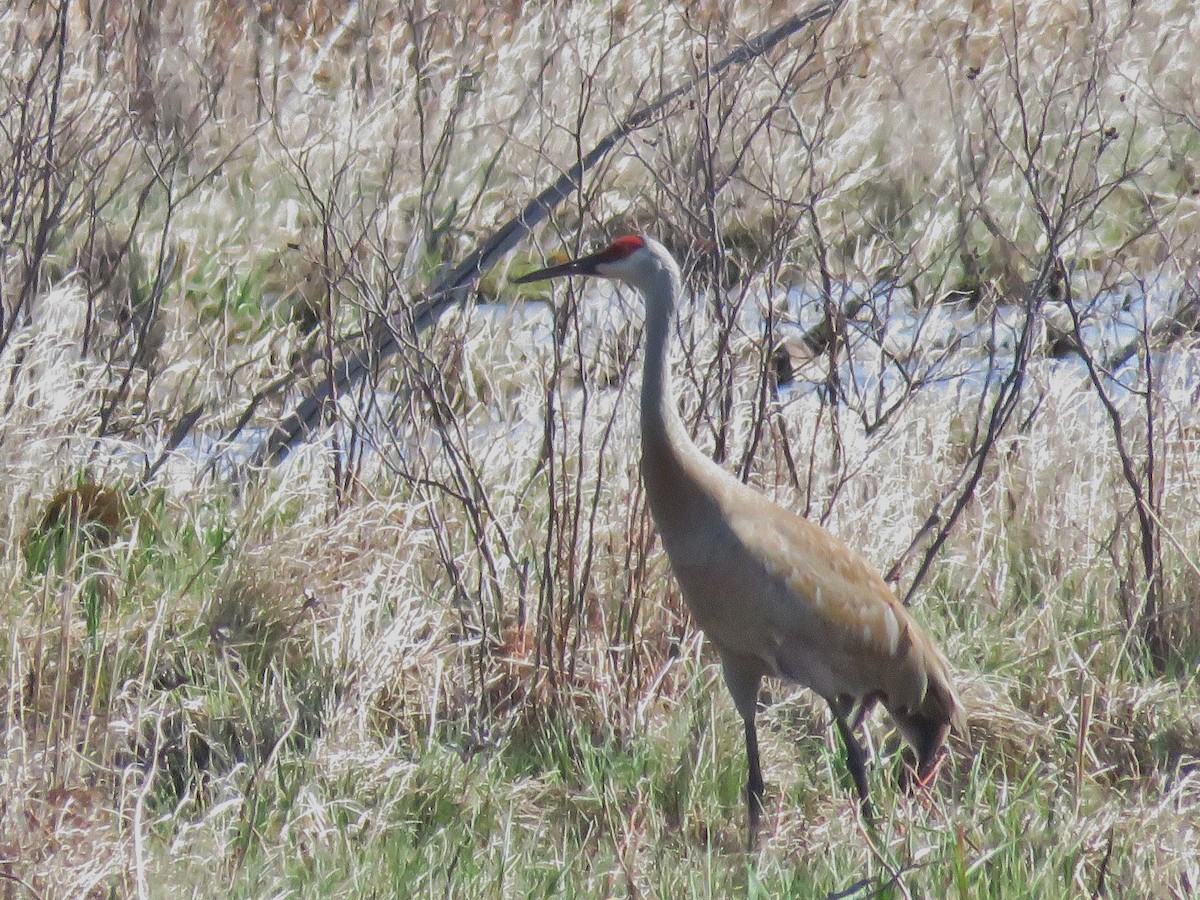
(944, 262)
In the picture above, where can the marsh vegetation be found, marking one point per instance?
(944, 261)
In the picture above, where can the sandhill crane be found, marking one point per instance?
(774, 593)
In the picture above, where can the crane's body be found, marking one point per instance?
(775, 594)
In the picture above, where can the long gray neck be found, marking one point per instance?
(662, 428)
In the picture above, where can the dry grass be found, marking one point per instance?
(438, 651)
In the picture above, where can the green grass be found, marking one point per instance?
(269, 772)
(574, 816)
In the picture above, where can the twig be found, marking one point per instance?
(1102, 874)
(861, 885)
(16, 879)
(452, 289)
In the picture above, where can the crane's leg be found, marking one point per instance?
(743, 682)
(754, 785)
(856, 763)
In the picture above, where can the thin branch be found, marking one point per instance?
(452, 289)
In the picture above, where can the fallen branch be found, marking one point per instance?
(452, 289)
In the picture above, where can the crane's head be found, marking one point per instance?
(624, 259)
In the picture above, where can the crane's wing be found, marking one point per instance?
(833, 622)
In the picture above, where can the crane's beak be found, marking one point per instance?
(585, 265)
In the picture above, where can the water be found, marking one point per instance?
(893, 347)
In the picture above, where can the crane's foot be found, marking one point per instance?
(867, 811)
(754, 811)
